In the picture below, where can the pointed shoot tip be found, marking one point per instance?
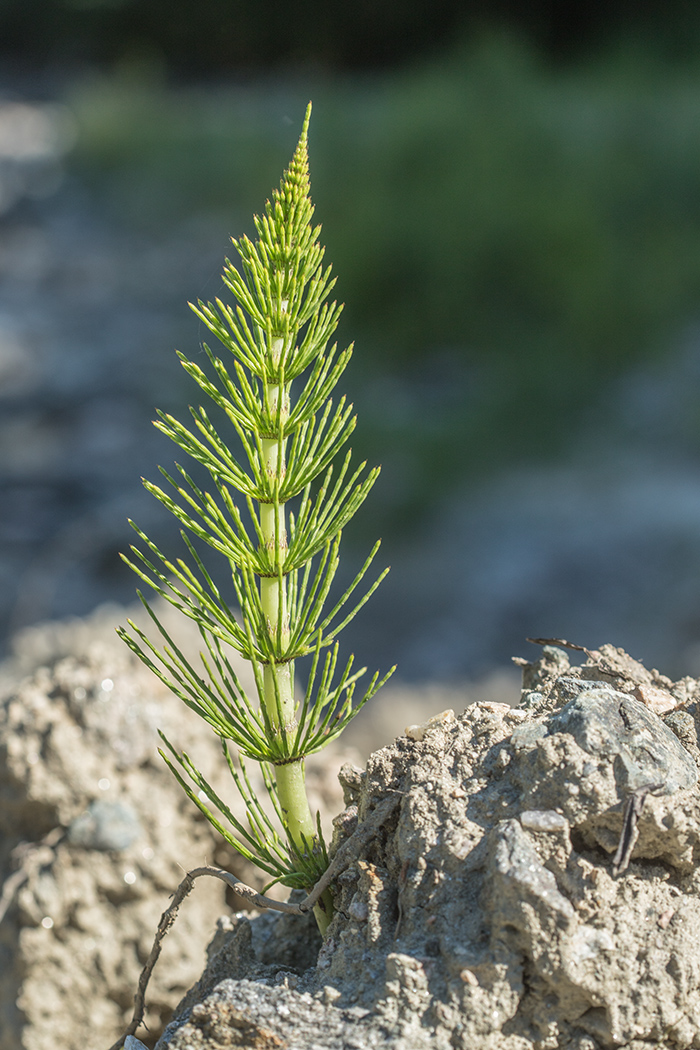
(305, 125)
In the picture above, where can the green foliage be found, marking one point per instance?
(526, 231)
(275, 512)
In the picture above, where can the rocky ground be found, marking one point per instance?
(488, 911)
(481, 903)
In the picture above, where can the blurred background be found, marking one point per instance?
(510, 197)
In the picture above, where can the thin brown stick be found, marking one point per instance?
(629, 834)
(167, 920)
(348, 852)
(258, 900)
(561, 642)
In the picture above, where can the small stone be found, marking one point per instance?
(659, 701)
(469, 977)
(418, 732)
(525, 737)
(350, 779)
(665, 918)
(682, 724)
(358, 910)
(531, 698)
(568, 687)
(105, 826)
(588, 941)
(458, 842)
(543, 820)
(518, 876)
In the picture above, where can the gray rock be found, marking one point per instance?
(609, 724)
(132, 1043)
(517, 875)
(484, 914)
(252, 1013)
(683, 725)
(568, 687)
(525, 737)
(105, 826)
(543, 820)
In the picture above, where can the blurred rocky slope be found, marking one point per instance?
(78, 763)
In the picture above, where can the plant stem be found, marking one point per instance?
(278, 332)
(279, 676)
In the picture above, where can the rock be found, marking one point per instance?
(225, 1019)
(105, 826)
(419, 732)
(518, 878)
(78, 753)
(610, 724)
(660, 701)
(683, 724)
(484, 915)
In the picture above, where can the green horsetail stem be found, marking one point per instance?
(275, 511)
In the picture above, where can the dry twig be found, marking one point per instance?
(561, 643)
(347, 852)
(630, 818)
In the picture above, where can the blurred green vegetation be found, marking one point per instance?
(508, 235)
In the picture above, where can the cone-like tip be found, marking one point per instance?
(305, 125)
(301, 153)
(295, 181)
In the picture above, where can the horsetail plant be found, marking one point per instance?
(277, 520)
